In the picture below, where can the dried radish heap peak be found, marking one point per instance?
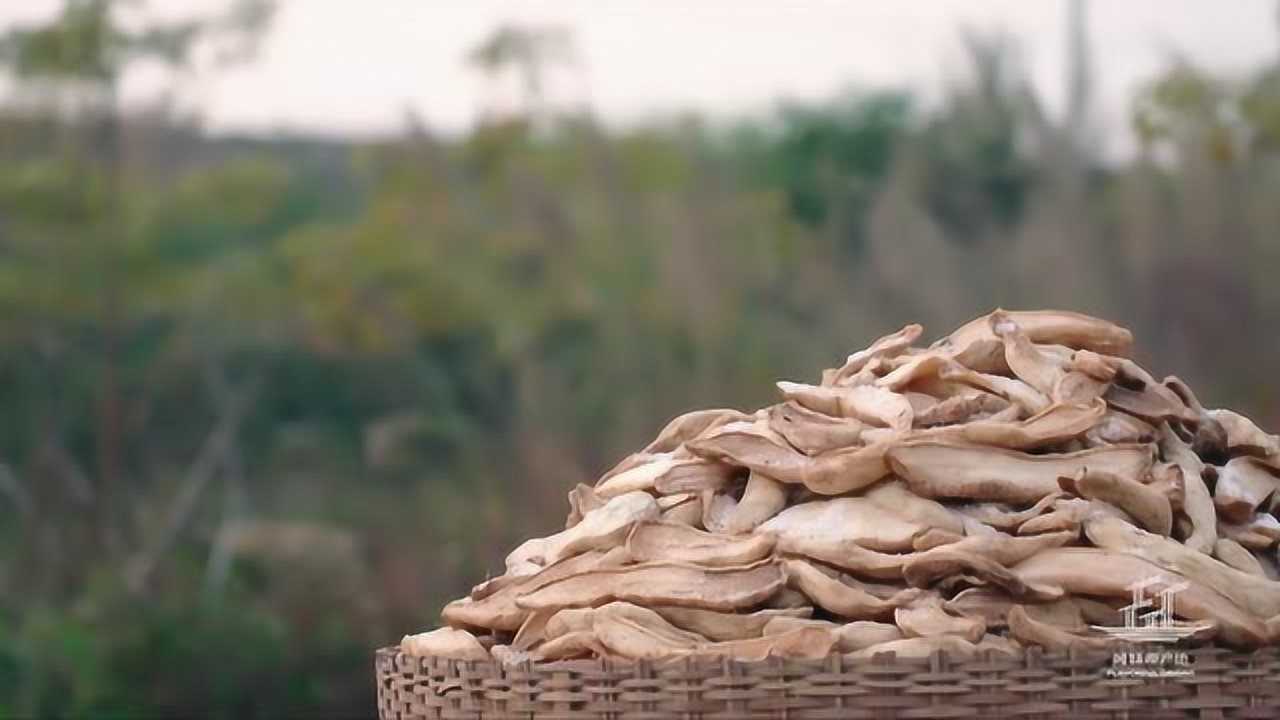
(1008, 485)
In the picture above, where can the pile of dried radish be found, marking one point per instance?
(1005, 486)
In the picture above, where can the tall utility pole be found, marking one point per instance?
(1079, 81)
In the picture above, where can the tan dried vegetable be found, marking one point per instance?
(569, 620)
(779, 625)
(693, 475)
(1064, 614)
(1003, 487)
(1003, 517)
(575, 644)
(989, 605)
(949, 470)
(1073, 330)
(1260, 597)
(1270, 563)
(640, 476)
(1117, 428)
(788, 599)
(1092, 364)
(1134, 391)
(849, 555)
(688, 511)
(894, 497)
(1234, 554)
(716, 510)
(850, 637)
(498, 610)
(494, 584)
(762, 498)
(831, 473)
(1197, 502)
(920, 647)
(811, 432)
(1041, 370)
(959, 408)
(862, 634)
(1244, 436)
(690, 426)
(848, 470)
(1055, 424)
(1244, 485)
(1076, 570)
(1208, 437)
(603, 527)
(1097, 612)
(532, 631)
(721, 626)
(631, 461)
(1167, 479)
(867, 403)
(943, 386)
(754, 447)
(1004, 549)
(444, 642)
(650, 584)
(932, 538)
(887, 346)
(1035, 632)
(1259, 533)
(582, 500)
(917, 367)
(632, 631)
(1015, 391)
(1000, 644)
(507, 656)
(859, 521)
(803, 643)
(976, 346)
(840, 598)
(1067, 515)
(924, 569)
(1141, 502)
(927, 619)
(667, 502)
(658, 542)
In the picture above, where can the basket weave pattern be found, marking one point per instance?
(1225, 684)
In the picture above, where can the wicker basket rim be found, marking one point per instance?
(1032, 654)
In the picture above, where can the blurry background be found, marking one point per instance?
(308, 312)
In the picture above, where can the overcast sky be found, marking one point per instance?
(344, 66)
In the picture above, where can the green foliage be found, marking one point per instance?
(83, 43)
(217, 661)
(830, 159)
(975, 173)
(88, 43)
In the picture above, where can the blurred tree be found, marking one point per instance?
(975, 170)
(528, 52)
(70, 210)
(1208, 147)
(829, 160)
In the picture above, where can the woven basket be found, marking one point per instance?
(1224, 684)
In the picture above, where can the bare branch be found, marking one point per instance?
(218, 447)
(12, 487)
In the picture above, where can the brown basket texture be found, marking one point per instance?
(1223, 684)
